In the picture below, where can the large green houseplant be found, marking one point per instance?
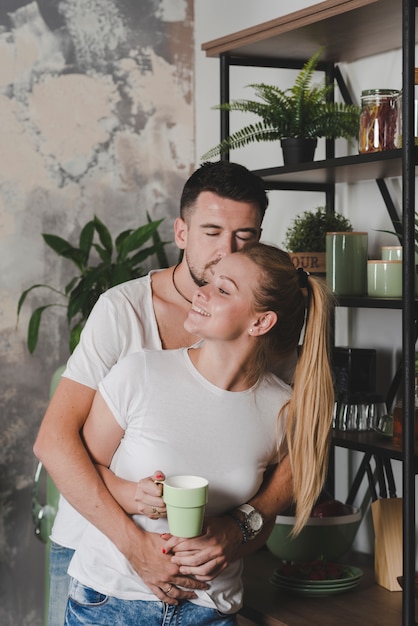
(305, 239)
(303, 111)
(119, 260)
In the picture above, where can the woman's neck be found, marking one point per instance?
(226, 367)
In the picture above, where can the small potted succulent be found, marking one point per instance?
(305, 239)
(297, 116)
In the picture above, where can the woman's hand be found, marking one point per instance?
(148, 496)
(206, 556)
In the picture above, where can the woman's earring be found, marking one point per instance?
(251, 330)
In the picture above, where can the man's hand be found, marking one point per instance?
(147, 556)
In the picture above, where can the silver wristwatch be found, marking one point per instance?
(250, 521)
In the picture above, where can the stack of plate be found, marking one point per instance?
(307, 587)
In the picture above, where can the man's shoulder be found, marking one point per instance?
(129, 288)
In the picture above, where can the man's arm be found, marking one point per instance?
(60, 448)
(276, 492)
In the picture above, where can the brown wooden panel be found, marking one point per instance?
(350, 29)
(366, 604)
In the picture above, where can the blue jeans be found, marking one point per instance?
(59, 583)
(87, 607)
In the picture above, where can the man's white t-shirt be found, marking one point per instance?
(123, 321)
(176, 420)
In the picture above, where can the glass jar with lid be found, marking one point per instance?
(379, 120)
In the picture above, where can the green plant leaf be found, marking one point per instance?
(137, 238)
(159, 246)
(75, 336)
(65, 249)
(71, 284)
(252, 133)
(86, 239)
(121, 238)
(33, 328)
(27, 291)
(87, 291)
(140, 256)
(58, 244)
(121, 273)
(103, 254)
(104, 235)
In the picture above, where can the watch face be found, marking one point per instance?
(255, 521)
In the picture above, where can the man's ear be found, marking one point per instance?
(180, 233)
(264, 322)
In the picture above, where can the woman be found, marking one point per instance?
(212, 410)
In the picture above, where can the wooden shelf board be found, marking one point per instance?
(367, 442)
(349, 30)
(364, 302)
(267, 606)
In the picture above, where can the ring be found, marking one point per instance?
(168, 590)
(154, 510)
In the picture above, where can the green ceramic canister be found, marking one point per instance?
(346, 263)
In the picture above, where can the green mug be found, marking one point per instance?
(346, 263)
(185, 498)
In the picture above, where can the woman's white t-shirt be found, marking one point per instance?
(177, 421)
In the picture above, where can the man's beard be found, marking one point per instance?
(200, 280)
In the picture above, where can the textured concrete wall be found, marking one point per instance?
(96, 113)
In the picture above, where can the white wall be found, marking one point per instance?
(362, 203)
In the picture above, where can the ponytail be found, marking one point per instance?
(309, 412)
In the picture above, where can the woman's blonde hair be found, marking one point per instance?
(299, 300)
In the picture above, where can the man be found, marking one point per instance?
(221, 208)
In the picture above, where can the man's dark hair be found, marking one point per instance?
(227, 180)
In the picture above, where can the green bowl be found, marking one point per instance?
(322, 537)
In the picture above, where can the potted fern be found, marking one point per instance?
(119, 260)
(297, 116)
(305, 239)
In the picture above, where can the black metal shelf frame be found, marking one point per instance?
(408, 311)
(406, 233)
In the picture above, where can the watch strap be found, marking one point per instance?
(246, 508)
(242, 526)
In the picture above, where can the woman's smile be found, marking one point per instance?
(197, 309)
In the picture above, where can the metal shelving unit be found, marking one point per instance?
(350, 30)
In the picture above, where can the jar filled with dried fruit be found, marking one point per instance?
(379, 120)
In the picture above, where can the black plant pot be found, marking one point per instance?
(298, 150)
